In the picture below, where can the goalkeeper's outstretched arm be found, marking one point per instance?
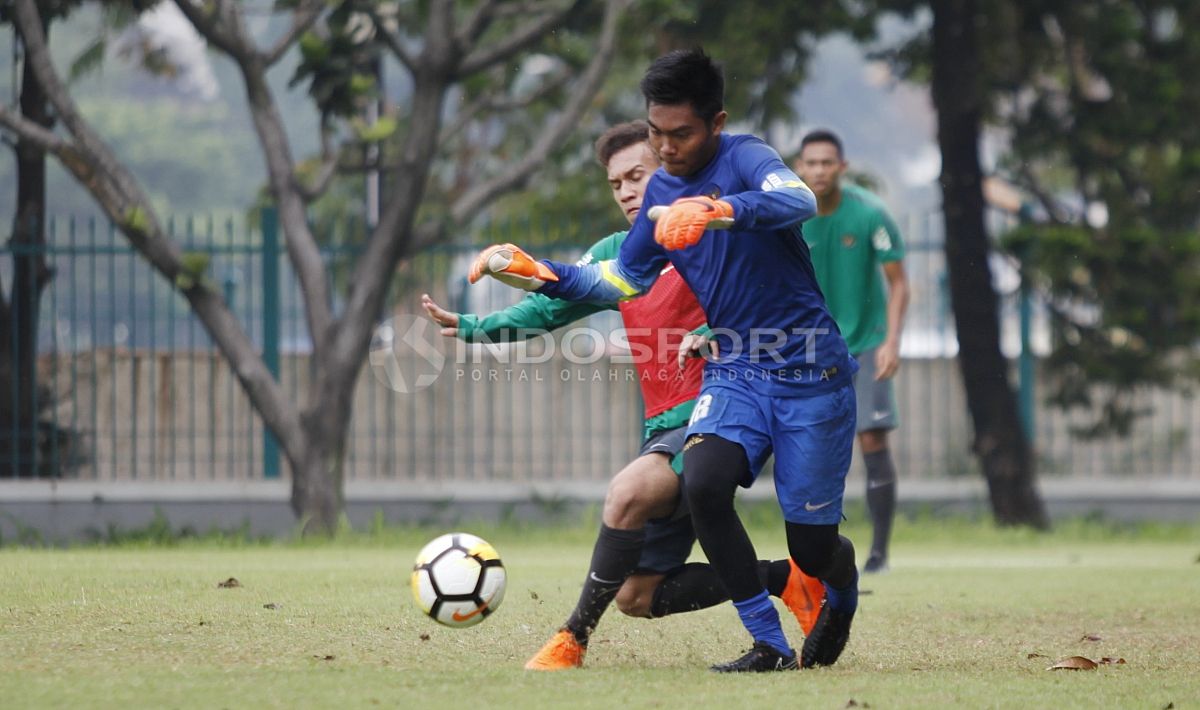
(605, 282)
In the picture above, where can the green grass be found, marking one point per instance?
(952, 625)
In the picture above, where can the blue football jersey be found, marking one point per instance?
(755, 280)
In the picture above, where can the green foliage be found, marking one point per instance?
(1124, 290)
(195, 264)
(336, 61)
(1099, 100)
(764, 53)
(378, 131)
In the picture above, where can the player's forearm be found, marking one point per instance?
(533, 315)
(604, 282)
(897, 307)
(772, 209)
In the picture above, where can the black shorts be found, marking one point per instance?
(669, 442)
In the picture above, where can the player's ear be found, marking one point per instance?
(718, 122)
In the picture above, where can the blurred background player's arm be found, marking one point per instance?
(887, 357)
(889, 249)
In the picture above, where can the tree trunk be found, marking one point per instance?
(31, 274)
(318, 473)
(1000, 442)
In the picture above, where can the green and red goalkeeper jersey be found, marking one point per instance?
(655, 324)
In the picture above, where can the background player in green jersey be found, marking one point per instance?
(850, 239)
(646, 536)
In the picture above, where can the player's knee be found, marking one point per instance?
(632, 600)
(873, 440)
(712, 468)
(625, 506)
(813, 547)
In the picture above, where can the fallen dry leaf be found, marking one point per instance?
(270, 605)
(424, 637)
(1090, 637)
(324, 658)
(1109, 660)
(1074, 663)
(229, 583)
(1036, 655)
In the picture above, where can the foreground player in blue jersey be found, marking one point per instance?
(728, 216)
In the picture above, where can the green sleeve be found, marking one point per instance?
(886, 239)
(703, 329)
(537, 313)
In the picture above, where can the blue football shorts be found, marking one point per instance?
(812, 439)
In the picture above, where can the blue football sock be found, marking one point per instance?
(762, 621)
(845, 599)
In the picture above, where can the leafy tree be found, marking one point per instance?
(962, 71)
(443, 46)
(1101, 103)
(765, 54)
(23, 437)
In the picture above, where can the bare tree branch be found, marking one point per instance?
(500, 103)
(117, 192)
(391, 39)
(475, 198)
(517, 40)
(303, 19)
(213, 21)
(478, 23)
(35, 133)
(221, 23)
(324, 174)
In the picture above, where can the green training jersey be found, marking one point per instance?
(536, 313)
(847, 249)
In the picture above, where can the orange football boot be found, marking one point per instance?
(560, 653)
(803, 596)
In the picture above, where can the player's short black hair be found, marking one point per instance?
(822, 135)
(686, 76)
(620, 137)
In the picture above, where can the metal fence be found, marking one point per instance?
(137, 391)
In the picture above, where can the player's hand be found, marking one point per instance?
(441, 316)
(887, 360)
(696, 345)
(685, 221)
(509, 264)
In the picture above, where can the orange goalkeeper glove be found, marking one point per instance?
(509, 264)
(684, 222)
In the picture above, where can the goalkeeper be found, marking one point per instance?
(646, 535)
(728, 220)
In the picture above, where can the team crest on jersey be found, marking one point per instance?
(848, 241)
(712, 192)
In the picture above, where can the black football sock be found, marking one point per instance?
(774, 575)
(614, 558)
(691, 587)
(881, 499)
(696, 586)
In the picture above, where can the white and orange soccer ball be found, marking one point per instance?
(458, 579)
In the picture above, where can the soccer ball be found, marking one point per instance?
(458, 579)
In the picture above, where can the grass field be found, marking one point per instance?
(956, 623)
